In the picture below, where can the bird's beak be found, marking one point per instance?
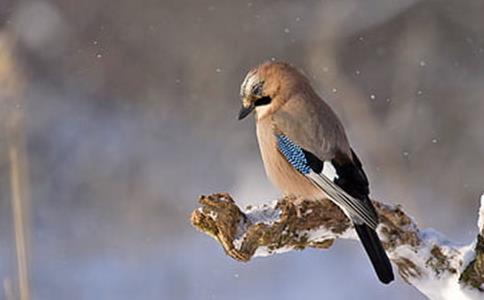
(245, 111)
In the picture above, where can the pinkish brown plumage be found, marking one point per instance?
(315, 160)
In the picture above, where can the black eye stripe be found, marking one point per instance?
(262, 101)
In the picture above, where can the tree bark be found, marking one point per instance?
(424, 258)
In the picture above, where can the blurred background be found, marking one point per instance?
(116, 115)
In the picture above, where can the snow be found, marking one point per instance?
(438, 285)
(265, 251)
(240, 234)
(468, 254)
(213, 215)
(318, 235)
(447, 288)
(431, 277)
(268, 214)
(480, 221)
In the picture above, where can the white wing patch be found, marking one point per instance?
(329, 171)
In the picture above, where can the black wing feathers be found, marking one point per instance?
(352, 179)
(314, 163)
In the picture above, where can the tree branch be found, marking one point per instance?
(424, 258)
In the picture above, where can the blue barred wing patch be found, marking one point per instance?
(293, 154)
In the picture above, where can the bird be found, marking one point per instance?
(306, 152)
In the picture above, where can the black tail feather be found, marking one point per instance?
(375, 251)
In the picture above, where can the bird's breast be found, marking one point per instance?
(278, 170)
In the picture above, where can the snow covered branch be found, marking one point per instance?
(424, 258)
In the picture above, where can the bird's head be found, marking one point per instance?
(267, 87)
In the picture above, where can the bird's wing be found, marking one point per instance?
(331, 176)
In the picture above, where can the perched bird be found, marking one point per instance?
(306, 152)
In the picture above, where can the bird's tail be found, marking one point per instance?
(377, 254)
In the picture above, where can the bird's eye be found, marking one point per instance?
(257, 89)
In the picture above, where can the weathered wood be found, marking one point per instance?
(423, 258)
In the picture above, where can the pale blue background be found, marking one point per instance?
(131, 114)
